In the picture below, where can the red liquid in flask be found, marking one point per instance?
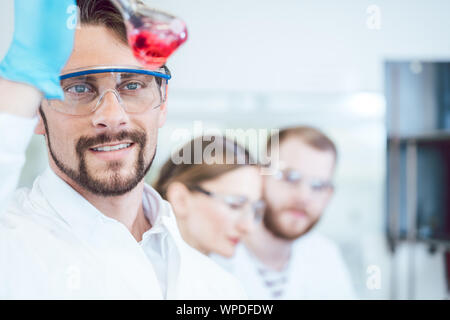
(155, 42)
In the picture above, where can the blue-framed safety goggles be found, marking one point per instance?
(136, 89)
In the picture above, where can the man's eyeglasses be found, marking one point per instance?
(137, 90)
(237, 203)
(293, 178)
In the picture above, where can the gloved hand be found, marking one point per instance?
(42, 43)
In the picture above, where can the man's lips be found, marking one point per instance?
(296, 213)
(111, 144)
(112, 151)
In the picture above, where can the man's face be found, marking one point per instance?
(71, 139)
(293, 209)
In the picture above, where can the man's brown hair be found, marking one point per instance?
(309, 135)
(105, 13)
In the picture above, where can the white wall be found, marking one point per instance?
(302, 45)
(294, 45)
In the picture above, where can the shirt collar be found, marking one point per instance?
(155, 211)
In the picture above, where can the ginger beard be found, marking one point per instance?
(113, 183)
(284, 225)
(292, 212)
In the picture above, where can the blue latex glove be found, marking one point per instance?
(42, 43)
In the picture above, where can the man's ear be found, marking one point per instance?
(178, 196)
(40, 127)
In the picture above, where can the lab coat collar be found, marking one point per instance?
(78, 213)
(82, 217)
(88, 223)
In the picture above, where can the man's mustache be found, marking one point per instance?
(85, 143)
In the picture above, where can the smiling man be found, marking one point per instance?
(89, 227)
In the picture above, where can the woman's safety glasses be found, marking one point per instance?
(137, 90)
(237, 203)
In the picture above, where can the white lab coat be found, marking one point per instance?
(315, 270)
(55, 245)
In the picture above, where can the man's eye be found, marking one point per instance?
(79, 89)
(293, 177)
(132, 86)
(318, 186)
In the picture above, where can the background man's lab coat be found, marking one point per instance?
(315, 270)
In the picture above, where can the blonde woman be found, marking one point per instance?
(216, 202)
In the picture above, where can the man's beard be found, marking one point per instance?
(272, 223)
(114, 184)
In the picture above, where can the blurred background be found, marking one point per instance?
(373, 75)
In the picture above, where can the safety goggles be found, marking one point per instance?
(293, 178)
(137, 90)
(238, 204)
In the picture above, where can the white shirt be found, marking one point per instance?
(55, 245)
(315, 270)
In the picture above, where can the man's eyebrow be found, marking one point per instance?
(84, 78)
(133, 75)
(96, 77)
(91, 78)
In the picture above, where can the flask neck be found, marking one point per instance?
(126, 7)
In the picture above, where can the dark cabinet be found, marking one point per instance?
(418, 151)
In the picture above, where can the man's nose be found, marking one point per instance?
(302, 192)
(109, 112)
